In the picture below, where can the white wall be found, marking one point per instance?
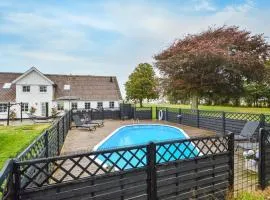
(81, 104)
(34, 97)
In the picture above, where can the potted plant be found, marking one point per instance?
(32, 110)
(12, 115)
(54, 113)
(251, 160)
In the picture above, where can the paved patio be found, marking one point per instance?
(81, 140)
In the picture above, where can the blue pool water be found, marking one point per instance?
(132, 135)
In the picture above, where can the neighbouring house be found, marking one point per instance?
(61, 92)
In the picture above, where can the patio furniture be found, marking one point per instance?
(248, 131)
(80, 124)
(39, 119)
(87, 120)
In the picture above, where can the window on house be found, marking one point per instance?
(25, 107)
(60, 105)
(43, 88)
(3, 107)
(6, 85)
(111, 104)
(74, 105)
(87, 105)
(99, 104)
(26, 88)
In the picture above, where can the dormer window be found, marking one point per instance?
(66, 87)
(6, 85)
(43, 88)
(26, 88)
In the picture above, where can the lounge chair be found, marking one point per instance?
(87, 120)
(248, 131)
(39, 119)
(79, 123)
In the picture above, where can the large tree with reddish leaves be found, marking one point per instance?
(215, 61)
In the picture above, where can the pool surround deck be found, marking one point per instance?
(81, 140)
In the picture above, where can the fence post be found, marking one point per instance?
(8, 112)
(223, 122)
(262, 120)
(63, 127)
(198, 118)
(151, 113)
(46, 135)
(261, 167)
(180, 115)
(70, 118)
(151, 172)
(231, 160)
(166, 115)
(17, 180)
(58, 137)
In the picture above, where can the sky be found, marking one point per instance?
(110, 37)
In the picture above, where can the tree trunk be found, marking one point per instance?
(141, 103)
(194, 102)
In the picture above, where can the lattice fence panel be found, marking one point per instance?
(173, 115)
(211, 120)
(74, 167)
(143, 113)
(53, 141)
(36, 150)
(189, 117)
(236, 121)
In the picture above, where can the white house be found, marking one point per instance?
(61, 92)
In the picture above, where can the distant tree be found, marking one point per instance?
(214, 62)
(142, 84)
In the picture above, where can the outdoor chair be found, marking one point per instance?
(245, 140)
(248, 131)
(87, 120)
(80, 124)
(39, 119)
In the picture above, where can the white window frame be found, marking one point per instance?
(43, 88)
(25, 88)
(87, 105)
(100, 102)
(74, 107)
(25, 107)
(60, 106)
(111, 104)
(3, 107)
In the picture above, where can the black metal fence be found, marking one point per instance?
(125, 111)
(190, 168)
(217, 121)
(48, 144)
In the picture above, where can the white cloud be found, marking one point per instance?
(204, 5)
(66, 41)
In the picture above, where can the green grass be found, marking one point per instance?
(250, 196)
(14, 139)
(217, 108)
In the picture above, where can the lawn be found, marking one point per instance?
(217, 108)
(14, 139)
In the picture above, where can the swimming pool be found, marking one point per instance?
(132, 135)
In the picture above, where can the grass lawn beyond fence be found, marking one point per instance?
(216, 108)
(14, 139)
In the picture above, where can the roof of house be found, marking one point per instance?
(83, 87)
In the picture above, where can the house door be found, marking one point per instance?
(45, 109)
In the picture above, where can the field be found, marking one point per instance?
(217, 108)
(14, 139)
